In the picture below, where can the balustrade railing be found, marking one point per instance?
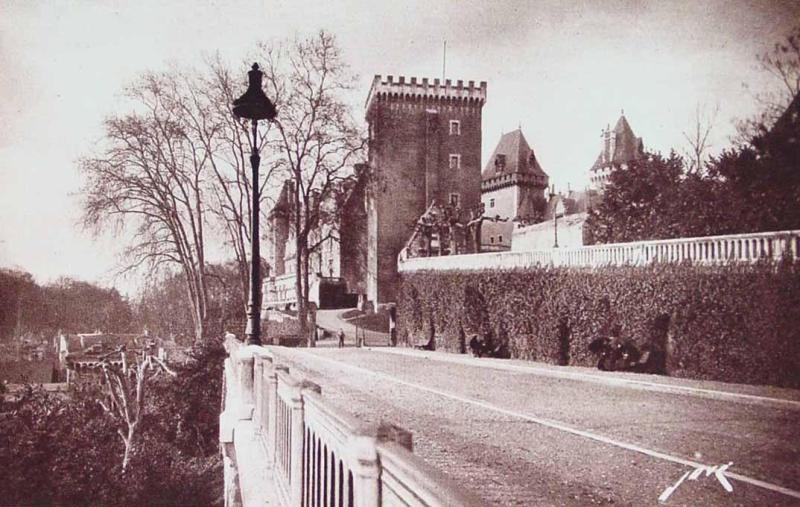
(706, 250)
(314, 454)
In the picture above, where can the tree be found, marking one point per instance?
(204, 100)
(63, 448)
(638, 201)
(173, 167)
(18, 296)
(150, 178)
(782, 63)
(317, 142)
(697, 137)
(126, 388)
(761, 180)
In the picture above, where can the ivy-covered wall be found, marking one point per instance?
(737, 323)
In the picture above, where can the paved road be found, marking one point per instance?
(522, 435)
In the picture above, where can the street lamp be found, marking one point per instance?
(254, 105)
(555, 214)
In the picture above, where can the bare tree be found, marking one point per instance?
(782, 62)
(177, 165)
(205, 100)
(125, 389)
(317, 143)
(150, 179)
(697, 137)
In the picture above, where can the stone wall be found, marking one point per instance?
(542, 236)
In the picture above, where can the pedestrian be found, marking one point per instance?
(393, 326)
(341, 337)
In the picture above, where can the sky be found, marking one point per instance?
(560, 70)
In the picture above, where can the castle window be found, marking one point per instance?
(455, 128)
(455, 161)
(491, 203)
(491, 239)
(500, 238)
(455, 199)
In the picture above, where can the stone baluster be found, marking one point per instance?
(365, 472)
(272, 407)
(245, 377)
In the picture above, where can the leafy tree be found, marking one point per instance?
(162, 308)
(18, 295)
(640, 201)
(68, 305)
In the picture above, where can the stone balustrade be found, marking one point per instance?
(283, 444)
(706, 250)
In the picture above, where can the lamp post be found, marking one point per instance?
(555, 215)
(254, 105)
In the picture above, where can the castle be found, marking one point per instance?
(424, 147)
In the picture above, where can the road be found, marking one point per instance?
(523, 434)
(332, 321)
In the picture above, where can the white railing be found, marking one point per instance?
(707, 250)
(309, 453)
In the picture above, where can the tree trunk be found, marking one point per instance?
(128, 441)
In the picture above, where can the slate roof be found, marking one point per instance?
(627, 146)
(519, 156)
(285, 198)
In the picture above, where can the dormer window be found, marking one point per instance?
(500, 162)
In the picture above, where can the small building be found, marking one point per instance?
(84, 354)
(513, 187)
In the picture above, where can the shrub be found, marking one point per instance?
(737, 323)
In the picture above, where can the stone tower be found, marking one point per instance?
(513, 183)
(424, 145)
(620, 148)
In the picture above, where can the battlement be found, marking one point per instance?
(424, 88)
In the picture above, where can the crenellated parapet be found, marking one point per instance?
(424, 89)
(514, 179)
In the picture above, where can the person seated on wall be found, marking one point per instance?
(615, 352)
(487, 346)
(618, 354)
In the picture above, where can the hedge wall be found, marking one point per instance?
(738, 323)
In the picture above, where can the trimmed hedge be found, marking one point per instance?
(738, 323)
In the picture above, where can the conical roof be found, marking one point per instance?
(625, 148)
(518, 158)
